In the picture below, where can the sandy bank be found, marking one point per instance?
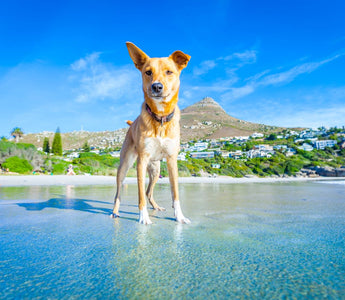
(109, 180)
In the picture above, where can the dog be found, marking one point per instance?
(155, 134)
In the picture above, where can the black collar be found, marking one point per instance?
(159, 119)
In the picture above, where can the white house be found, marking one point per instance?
(181, 156)
(257, 135)
(306, 147)
(263, 147)
(202, 155)
(325, 143)
(236, 154)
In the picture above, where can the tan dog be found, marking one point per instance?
(155, 134)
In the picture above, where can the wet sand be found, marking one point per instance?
(27, 180)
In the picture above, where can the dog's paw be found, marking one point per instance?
(144, 217)
(183, 220)
(114, 216)
(179, 215)
(158, 208)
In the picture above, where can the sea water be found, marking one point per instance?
(246, 241)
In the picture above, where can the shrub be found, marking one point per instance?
(18, 165)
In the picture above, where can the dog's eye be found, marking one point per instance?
(169, 72)
(148, 73)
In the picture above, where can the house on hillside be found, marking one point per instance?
(259, 153)
(202, 155)
(257, 135)
(263, 147)
(181, 156)
(225, 153)
(236, 154)
(290, 152)
(306, 147)
(320, 145)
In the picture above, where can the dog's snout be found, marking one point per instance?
(157, 88)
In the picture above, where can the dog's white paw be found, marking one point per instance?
(183, 220)
(144, 217)
(159, 208)
(179, 215)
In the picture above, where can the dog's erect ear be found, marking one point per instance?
(181, 59)
(139, 57)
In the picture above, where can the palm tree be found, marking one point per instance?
(17, 133)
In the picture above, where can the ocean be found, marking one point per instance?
(247, 241)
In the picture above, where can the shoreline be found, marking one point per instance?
(31, 180)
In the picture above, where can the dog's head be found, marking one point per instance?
(161, 77)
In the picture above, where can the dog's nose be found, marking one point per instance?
(157, 88)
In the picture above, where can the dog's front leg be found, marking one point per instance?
(173, 178)
(141, 173)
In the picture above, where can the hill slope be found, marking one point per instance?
(207, 118)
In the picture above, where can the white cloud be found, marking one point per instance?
(261, 79)
(83, 63)
(246, 57)
(235, 93)
(98, 81)
(290, 75)
(204, 67)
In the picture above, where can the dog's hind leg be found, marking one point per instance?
(127, 157)
(153, 169)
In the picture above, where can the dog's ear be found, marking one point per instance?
(181, 59)
(138, 56)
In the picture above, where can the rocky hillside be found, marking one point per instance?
(207, 118)
(204, 119)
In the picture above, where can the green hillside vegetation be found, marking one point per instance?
(18, 165)
(24, 159)
(95, 164)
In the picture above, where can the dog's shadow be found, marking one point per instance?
(84, 205)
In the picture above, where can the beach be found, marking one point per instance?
(27, 180)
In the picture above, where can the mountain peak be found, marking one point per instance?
(207, 101)
(207, 104)
(207, 118)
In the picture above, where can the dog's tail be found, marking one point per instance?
(129, 122)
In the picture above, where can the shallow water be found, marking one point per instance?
(272, 240)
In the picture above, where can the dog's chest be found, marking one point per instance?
(159, 147)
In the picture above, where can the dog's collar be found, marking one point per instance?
(159, 119)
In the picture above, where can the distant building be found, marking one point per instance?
(259, 153)
(201, 144)
(236, 154)
(225, 153)
(202, 155)
(115, 153)
(290, 152)
(181, 156)
(323, 144)
(306, 147)
(263, 147)
(215, 166)
(257, 135)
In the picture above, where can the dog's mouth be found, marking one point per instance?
(159, 97)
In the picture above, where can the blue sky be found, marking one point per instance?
(65, 63)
